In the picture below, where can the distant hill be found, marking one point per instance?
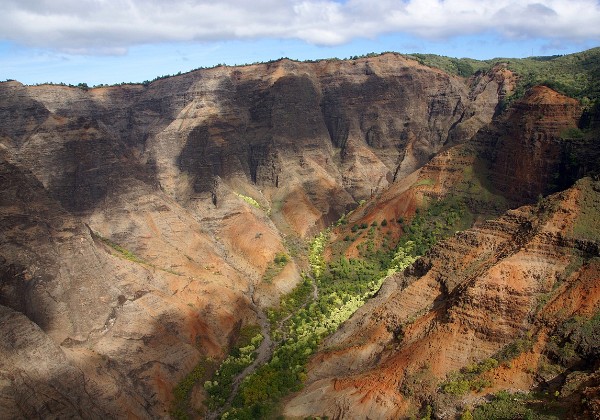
(576, 75)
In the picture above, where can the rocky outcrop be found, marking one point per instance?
(529, 156)
(361, 123)
(105, 330)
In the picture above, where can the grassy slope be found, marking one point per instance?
(576, 75)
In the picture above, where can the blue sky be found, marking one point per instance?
(113, 41)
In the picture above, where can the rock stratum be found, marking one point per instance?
(139, 222)
(513, 279)
(516, 277)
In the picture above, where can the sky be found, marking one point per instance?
(114, 41)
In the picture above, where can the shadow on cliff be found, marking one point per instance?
(135, 378)
(255, 126)
(93, 169)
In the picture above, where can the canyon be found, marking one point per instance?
(143, 225)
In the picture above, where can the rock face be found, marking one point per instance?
(359, 124)
(479, 291)
(521, 155)
(472, 295)
(127, 250)
(138, 224)
(97, 323)
(529, 154)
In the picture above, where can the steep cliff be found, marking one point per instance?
(530, 151)
(96, 329)
(139, 222)
(141, 227)
(481, 291)
(286, 127)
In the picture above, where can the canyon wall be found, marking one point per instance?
(139, 222)
(512, 278)
(129, 251)
(516, 277)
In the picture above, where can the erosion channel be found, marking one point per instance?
(254, 378)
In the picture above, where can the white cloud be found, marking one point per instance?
(111, 26)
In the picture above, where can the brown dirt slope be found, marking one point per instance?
(516, 277)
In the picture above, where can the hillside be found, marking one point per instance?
(575, 75)
(470, 318)
(161, 242)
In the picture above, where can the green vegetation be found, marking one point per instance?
(505, 405)
(586, 225)
(426, 181)
(249, 200)
(576, 340)
(576, 75)
(271, 272)
(281, 259)
(274, 268)
(469, 378)
(464, 67)
(403, 257)
(513, 350)
(122, 252)
(343, 220)
(304, 318)
(315, 256)
(420, 382)
(300, 323)
(571, 133)
(291, 303)
(241, 356)
(180, 407)
(438, 221)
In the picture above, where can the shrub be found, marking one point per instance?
(281, 259)
(514, 349)
(457, 387)
(503, 406)
(249, 200)
(571, 133)
(466, 415)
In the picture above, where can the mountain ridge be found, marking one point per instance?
(143, 226)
